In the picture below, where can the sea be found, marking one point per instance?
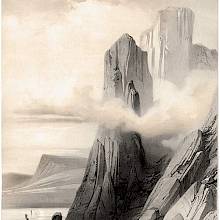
(37, 213)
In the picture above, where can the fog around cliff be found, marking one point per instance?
(51, 45)
(176, 109)
(49, 48)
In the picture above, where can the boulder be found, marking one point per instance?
(57, 216)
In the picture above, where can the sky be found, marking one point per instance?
(51, 47)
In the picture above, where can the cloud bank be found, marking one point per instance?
(176, 110)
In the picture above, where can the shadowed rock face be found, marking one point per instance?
(189, 182)
(114, 183)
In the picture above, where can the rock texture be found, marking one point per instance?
(126, 69)
(189, 182)
(118, 180)
(113, 183)
(211, 215)
(169, 43)
(196, 203)
(170, 48)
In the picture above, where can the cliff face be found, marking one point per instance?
(113, 182)
(169, 43)
(118, 180)
(126, 71)
(171, 53)
(189, 182)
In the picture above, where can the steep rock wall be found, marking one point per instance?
(114, 178)
(126, 64)
(171, 53)
(169, 43)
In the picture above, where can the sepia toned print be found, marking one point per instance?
(109, 110)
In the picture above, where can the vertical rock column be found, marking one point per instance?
(115, 168)
(169, 44)
(171, 52)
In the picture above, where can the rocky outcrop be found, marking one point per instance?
(113, 183)
(200, 200)
(170, 48)
(189, 182)
(211, 215)
(126, 64)
(132, 98)
(181, 172)
(196, 203)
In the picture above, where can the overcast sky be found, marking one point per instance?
(50, 47)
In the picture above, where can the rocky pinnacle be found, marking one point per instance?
(114, 175)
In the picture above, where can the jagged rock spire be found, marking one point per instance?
(132, 99)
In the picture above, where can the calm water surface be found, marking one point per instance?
(37, 214)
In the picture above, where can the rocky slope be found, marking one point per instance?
(170, 48)
(54, 184)
(200, 200)
(189, 182)
(114, 181)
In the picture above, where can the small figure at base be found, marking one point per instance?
(26, 217)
